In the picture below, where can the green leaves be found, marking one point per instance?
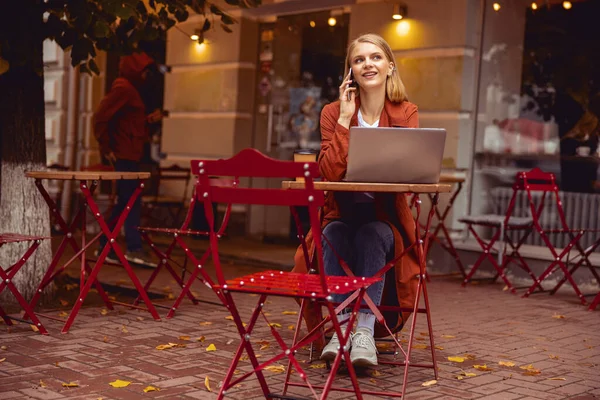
(120, 25)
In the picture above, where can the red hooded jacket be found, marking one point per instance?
(120, 120)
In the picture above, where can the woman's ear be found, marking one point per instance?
(391, 69)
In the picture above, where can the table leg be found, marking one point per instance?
(68, 239)
(441, 226)
(112, 243)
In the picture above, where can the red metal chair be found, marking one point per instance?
(316, 287)
(173, 205)
(164, 256)
(7, 276)
(537, 180)
(502, 226)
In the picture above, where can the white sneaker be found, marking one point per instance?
(364, 351)
(331, 349)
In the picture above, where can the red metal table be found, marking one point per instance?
(446, 241)
(416, 189)
(88, 182)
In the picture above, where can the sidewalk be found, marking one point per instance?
(480, 323)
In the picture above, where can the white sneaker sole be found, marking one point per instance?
(364, 361)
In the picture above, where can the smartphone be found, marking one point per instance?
(353, 84)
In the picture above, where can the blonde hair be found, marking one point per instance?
(394, 87)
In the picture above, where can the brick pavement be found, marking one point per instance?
(480, 322)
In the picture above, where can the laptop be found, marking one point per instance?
(395, 155)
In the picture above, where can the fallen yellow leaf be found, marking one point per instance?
(275, 368)
(2, 359)
(372, 380)
(34, 328)
(419, 346)
(71, 286)
(291, 327)
(527, 367)
(70, 384)
(558, 316)
(63, 302)
(506, 363)
(211, 347)
(42, 384)
(229, 317)
(438, 347)
(532, 372)
(376, 373)
(201, 339)
(456, 359)
(483, 367)
(165, 346)
(552, 356)
(124, 329)
(151, 389)
(63, 314)
(184, 338)
(317, 366)
(469, 356)
(207, 384)
(290, 313)
(104, 311)
(557, 379)
(264, 346)
(119, 383)
(429, 383)
(275, 325)
(205, 323)
(448, 336)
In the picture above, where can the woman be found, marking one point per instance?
(365, 229)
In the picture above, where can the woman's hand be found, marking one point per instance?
(347, 105)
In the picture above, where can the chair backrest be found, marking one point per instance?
(250, 163)
(537, 181)
(174, 173)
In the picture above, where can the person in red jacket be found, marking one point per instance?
(120, 126)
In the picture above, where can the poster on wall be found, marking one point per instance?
(302, 127)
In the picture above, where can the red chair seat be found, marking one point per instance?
(295, 284)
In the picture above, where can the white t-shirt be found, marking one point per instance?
(364, 197)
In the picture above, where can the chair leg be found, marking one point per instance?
(595, 302)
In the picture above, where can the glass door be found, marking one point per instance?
(301, 63)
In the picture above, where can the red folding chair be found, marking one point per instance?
(316, 287)
(502, 226)
(537, 180)
(7, 276)
(166, 261)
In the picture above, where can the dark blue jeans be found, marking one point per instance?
(366, 249)
(125, 189)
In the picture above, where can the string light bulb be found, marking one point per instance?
(534, 6)
(194, 37)
(567, 5)
(496, 6)
(332, 21)
(312, 24)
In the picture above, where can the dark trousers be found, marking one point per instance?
(125, 189)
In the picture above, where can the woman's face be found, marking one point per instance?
(369, 65)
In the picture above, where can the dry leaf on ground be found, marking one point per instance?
(419, 346)
(104, 311)
(317, 366)
(291, 327)
(456, 359)
(2, 359)
(275, 368)
(429, 383)
(469, 356)
(34, 328)
(439, 347)
(506, 363)
(552, 356)
(207, 384)
(184, 338)
(63, 302)
(558, 316)
(229, 317)
(557, 379)
(290, 313)
(211, 347)
(483, 367)
(264, 346)
(151, 389)
(201, 339)
(448, 336)
(70, 384)
(376, 373)
(119, 383)
(124, 329)
(275, 325)
(168, 346)
(205, 323)
(464, 375)
(42, 384)
(63, 314)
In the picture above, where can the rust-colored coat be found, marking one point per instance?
(332, 164)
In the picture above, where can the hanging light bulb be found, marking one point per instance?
(312, 24)
(332, 21)
(496, 6)
(567, 5)
(194, 37)
(534, 6)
